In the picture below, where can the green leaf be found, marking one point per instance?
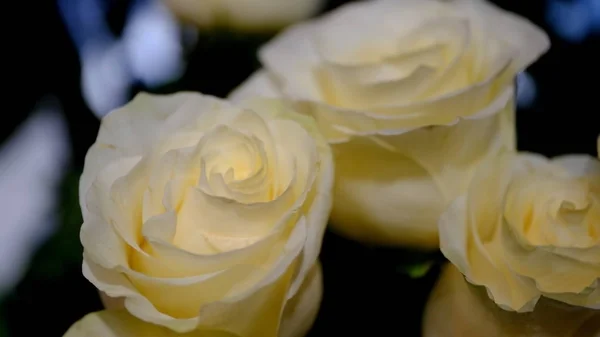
(418, 270)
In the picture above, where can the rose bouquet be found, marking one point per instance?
(393, 121)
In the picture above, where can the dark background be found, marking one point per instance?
(367, 290)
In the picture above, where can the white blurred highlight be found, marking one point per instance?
(105, 77)
(150, 50)
(151, 40)
(32, 163)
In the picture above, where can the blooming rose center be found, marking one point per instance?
(226, 188)
(553, 211)
(236, 170)
(235, 175)
(573, 213)
(234, 164)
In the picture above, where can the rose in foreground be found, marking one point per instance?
(248, 15)
(204, 215)
(459, 309)
(412, 95)
(529, 227)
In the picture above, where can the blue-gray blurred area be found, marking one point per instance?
(574, 20)
(147, 49)
(72, 61)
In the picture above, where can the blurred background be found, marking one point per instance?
(72, 61)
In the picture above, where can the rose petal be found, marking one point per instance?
(302, 309)
(119, 323)
(458, 309)
(258, 84)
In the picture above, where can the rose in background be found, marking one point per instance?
(203, 215)
(528, 230)
(412, 95)
(249, 15)
(529, 227)
(119, 323)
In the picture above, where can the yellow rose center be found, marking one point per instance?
(235, 174)
(235, 166)
(228, 187)
(552, 211)
(571, 213)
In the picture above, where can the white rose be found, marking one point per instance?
(456, 308)
(529, 227)
(250, 15)
(119, 323)
(413, 95)
(204, 215)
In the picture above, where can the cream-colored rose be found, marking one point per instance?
(412, 95)
(201, 214)
(529, 227)
(459, 309)
(119, 323)
(249, 15)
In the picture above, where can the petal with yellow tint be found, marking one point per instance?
(119, 323)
